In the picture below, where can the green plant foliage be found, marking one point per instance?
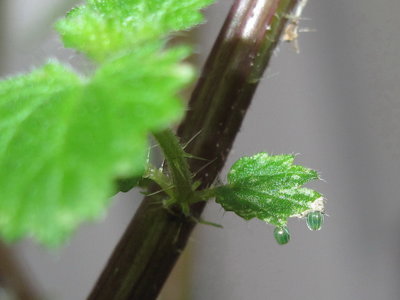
(64, 139)
(268, 187)
(104, 27)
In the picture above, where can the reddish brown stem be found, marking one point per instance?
(155, 238)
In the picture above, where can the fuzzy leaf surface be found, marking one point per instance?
(101, 28)
(65, 139)
(267, 187)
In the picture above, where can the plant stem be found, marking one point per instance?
(177, 165)
(155, 238)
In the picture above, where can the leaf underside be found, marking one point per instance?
(65, 138)
(104, 27)
(267, 187)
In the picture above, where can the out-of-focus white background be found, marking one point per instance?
(337, 103)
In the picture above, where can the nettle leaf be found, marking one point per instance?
(268, 187)
(64, 139)
(101, 28)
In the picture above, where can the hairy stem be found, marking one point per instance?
(178, 167)
(155, 238)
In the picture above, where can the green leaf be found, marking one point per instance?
(65, 139)
(268, 187)
(102, 28)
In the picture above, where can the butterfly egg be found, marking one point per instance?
(315, 219)
(282, 235)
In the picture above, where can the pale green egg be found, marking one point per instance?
(315, 219)
(282, 235)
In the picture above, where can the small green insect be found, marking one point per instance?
(315, 219)
(282, 235)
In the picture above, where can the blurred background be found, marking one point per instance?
(336, 103)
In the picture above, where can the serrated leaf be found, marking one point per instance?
(268, 187)
(104, 27)
(64, 139)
